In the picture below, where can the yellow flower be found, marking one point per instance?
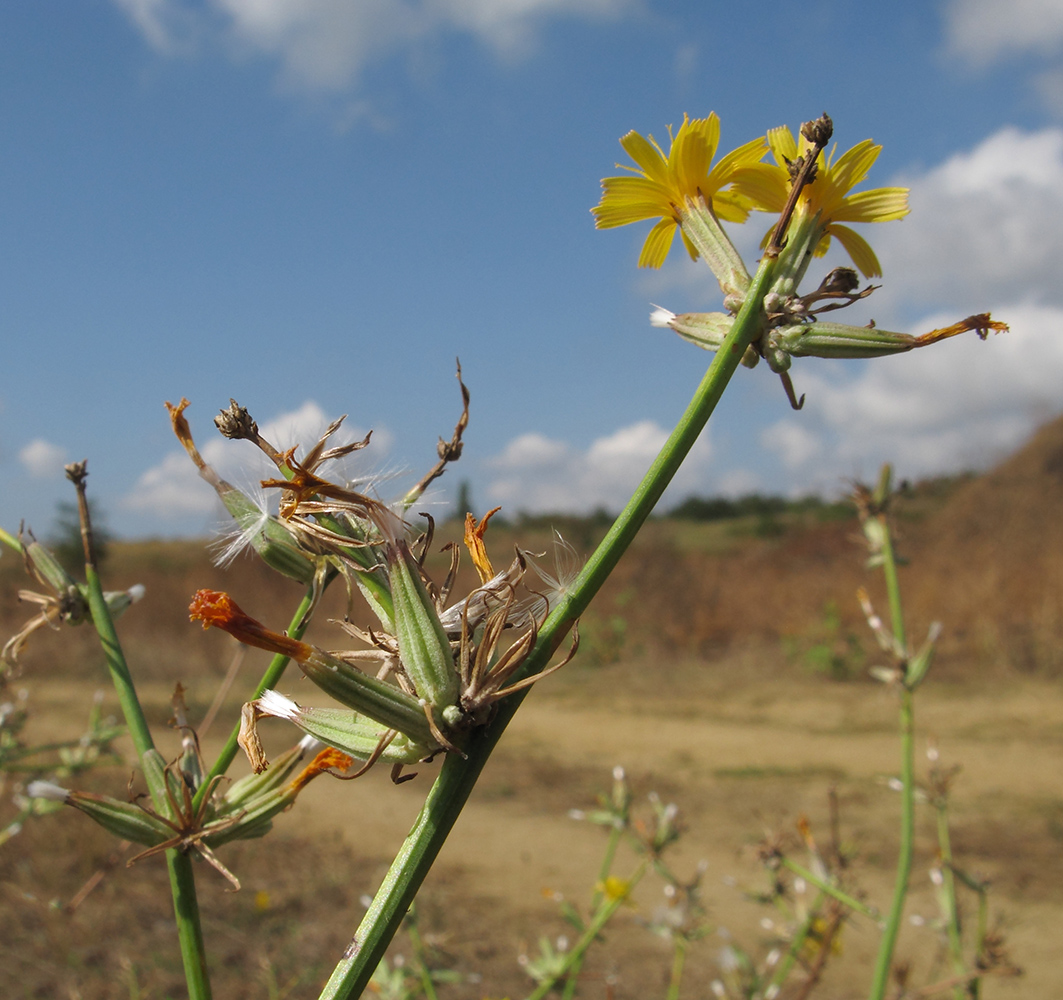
(614, 889)
(767, 187)
(662, 186)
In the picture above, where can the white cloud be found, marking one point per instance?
(985, 30)
(955, 405)
(42, 459)
(983, 236)
(792, 441)
(536, 473)
(326, 43)
(984, 227)
(174, 489)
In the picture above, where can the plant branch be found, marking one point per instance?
(458, 776)
(179, 864)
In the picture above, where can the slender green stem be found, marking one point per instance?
(948, 888)
(844, 898)
(189, 928)
(269, 679)
(786, 963)
(182, 879)
(606, 867)
(679, 957)
(893, 586)
(587, 938)
(884, 961)
(458, 776)
(117, 666)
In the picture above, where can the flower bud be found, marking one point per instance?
(354, 734)
(424, 648)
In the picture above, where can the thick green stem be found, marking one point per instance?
(269, 679)
(189, 928)
(884, 961)
(458, 776)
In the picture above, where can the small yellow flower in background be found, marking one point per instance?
(767, 186)
(661, 186)
(262, 901)
(614, 889)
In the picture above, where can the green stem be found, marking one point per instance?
(117, 666)
(842, 897)
(182, 879)
(594, 928)
(884, 961)
(893, 586)
(189, 928)
(269, 679)
(786, 963)
(679, 956)
(615, 834)
(458, 776)
(948, 888)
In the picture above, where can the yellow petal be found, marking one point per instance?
(859, 250)
(692, 152)
(752, 152)
(764, 185)
(877, 205)
(854, 164)
(657, 244)
(647, 154)
(629, 199)
(783, 144)
(731, 206)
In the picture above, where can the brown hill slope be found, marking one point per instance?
(987, 562)
(992, 558)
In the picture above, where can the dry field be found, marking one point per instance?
(696, 679)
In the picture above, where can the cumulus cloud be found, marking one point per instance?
(536, 473)
(985, 30)
(173, 488)
(326, 43)
(983, 227)
(42, 459)
(956, 405)
(981, 236)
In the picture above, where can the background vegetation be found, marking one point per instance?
(708, 670)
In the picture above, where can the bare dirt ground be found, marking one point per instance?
(688, 677)
(742, 757)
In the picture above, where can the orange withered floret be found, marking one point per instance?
(328, 759)
(214, 607)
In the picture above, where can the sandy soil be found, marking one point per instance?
(741, 758)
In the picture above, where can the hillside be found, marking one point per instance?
(986, 559)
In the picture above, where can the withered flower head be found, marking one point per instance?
(218, 609)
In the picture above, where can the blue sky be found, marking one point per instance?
(314, 206)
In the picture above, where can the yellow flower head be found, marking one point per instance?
(661, 185)
(768, 185)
